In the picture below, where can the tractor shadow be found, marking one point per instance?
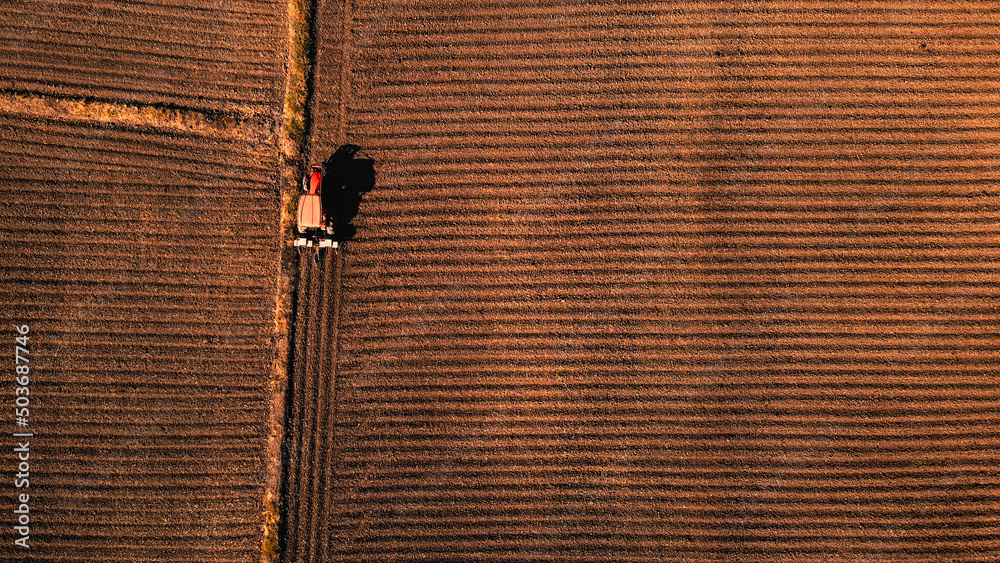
(345, 182)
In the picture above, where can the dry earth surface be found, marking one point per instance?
(139, 177)
(201, 54)
(310, 448)
(664, 281)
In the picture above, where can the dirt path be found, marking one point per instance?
(312, 388)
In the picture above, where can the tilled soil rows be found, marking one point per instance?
(665, 281)
(311, 423)
(196, 53)
(144, 263)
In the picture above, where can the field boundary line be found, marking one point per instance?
(298, 82)
(288, 515)
(247, 123)
(292, 136)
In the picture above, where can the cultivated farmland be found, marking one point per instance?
(666, 281)
(145, 264)
(190, 54)
(139, 218)
(311, 444)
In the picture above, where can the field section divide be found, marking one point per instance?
(311, 452)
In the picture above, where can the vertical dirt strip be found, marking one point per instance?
(668, 281)
(329, 421)
(312, 437)
(296, 414)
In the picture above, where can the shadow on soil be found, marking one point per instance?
(346, 181)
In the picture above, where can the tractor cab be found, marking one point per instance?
(315, 227)
(331, 194)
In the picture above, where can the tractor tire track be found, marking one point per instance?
(293, 437)
(311, 439)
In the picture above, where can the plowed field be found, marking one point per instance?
(655, 281)
(145, 264)
(311, 436)
(188, 53)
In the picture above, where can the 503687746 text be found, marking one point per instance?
(22, 451)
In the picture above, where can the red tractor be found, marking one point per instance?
(331, 196)
(315, 226)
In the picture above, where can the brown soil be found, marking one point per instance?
(195, 54)
(140, 173)
(145, 263)
(665, 282)
(311, 432)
